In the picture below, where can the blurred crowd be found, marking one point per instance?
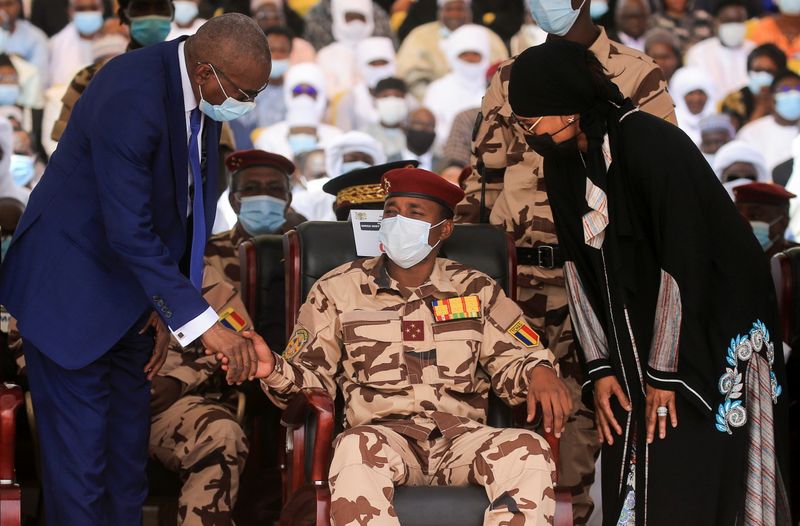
(357, 83)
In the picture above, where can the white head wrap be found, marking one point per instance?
(740, 152)
(302, 110)
(375, 48)
(353, 32)
(469, 37)
(352, 141)
(685, 81)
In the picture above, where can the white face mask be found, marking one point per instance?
(392, 110)
(471, 72)
(405, 240)
(355, 30)
(732, 34)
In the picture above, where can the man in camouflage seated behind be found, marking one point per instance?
(414, 342)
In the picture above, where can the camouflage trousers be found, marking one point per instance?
(513, 465)
(202, 441)
(546, 308)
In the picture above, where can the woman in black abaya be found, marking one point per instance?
(671, 300)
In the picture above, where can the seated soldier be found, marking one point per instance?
(766, 207)
(414, 342)
(361, 189)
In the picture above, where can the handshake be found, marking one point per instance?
(244, 356)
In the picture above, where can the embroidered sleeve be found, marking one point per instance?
(667, 326)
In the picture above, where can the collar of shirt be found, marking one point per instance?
(378, 279)
(189, 100)
(425, 160)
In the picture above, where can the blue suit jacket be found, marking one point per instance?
(103, 233)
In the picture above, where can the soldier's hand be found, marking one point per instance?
(659, 398)
(162, 338)
(235, 353)
(266, 360)
(164, 392)
(545, 388)
(604, 389)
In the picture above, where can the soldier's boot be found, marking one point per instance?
(367, 463)
(210, 467)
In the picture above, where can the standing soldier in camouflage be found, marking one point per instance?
(413, 342)
(507, 187)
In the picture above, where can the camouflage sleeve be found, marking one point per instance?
(489, 145)
(313, 354)
(15, 345)
(192, 368)
(653, 97)
(511, 348)
(74, 91)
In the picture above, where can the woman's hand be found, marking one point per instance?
(659, 398)
(604, 389)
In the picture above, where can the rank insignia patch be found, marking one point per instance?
(523, 333)
(299, 338)
(232, 320)
(457, 308)
(413, 331)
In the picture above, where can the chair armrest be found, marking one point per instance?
(309, 420)
(10, 400)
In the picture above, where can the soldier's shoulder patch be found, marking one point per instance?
(232, 319)
(524, 333)
(457, 308)
(299, 338)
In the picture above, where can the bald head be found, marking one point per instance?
(228, 57)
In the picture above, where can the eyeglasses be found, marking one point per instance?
(530, 128)
(304, 89)
(787, 89)
(249, 94)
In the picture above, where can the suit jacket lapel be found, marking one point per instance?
(210, 167)
(177, 128)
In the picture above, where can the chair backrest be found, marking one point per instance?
(317, 247)
(786, 276)
(263, 287)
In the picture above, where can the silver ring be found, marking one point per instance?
(662, 410)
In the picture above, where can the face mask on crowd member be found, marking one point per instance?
(9, 82)
(375, 57)
(555, 16)
(260, 190)
(304, 95)
(150, 22)
(87, 15)
(23, 162)
(766, 207)
(452, 15)
(420, 131)
(390, 102)
(185, 12)
(786, 95)
(352, 20)
(417, 215)
(788, 7)
(763, 63)
(730, 23)
(280, 45)
(598, 9)
(737, 163)
(467, 52)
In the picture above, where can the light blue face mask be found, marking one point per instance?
(22, 168)
(761, 231)
(302, 142)
(787, 104)
(9, 93)
(597, 9)
(185, 11)
(279, 67)
(5, 242)
(758, 80)
(88, 22)
(353, 165)
(262, 214)
(230, 108)
(148, 30)
(445, 32)
(554, 16)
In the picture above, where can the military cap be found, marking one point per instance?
(238, 161)
(415, 182)
(361, 188)
(764, 193)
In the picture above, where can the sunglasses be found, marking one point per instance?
(304, 89)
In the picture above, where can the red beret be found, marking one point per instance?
(766, 193)
(242, 159)
(416, 182)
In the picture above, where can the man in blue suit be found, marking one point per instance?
(107, 260)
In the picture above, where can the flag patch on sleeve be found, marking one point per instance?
(232, 320)
(457, 308)
(299, 338)
(524, 333)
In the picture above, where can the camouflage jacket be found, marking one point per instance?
(394, 363)
(515, 189)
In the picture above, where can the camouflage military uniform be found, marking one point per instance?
(416, 390)
(198, 435)
(517, 197)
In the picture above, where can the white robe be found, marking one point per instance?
(69, 53)
(726, 66)
(176, 31)
(275, 139)
(446, 98)
(770, 138)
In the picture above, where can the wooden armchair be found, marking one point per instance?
(10, 494)
(311, 419)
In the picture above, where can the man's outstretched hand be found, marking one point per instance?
(546, 388)
(235, 352)
(265, 361)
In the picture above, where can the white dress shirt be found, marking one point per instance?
(195, 328)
